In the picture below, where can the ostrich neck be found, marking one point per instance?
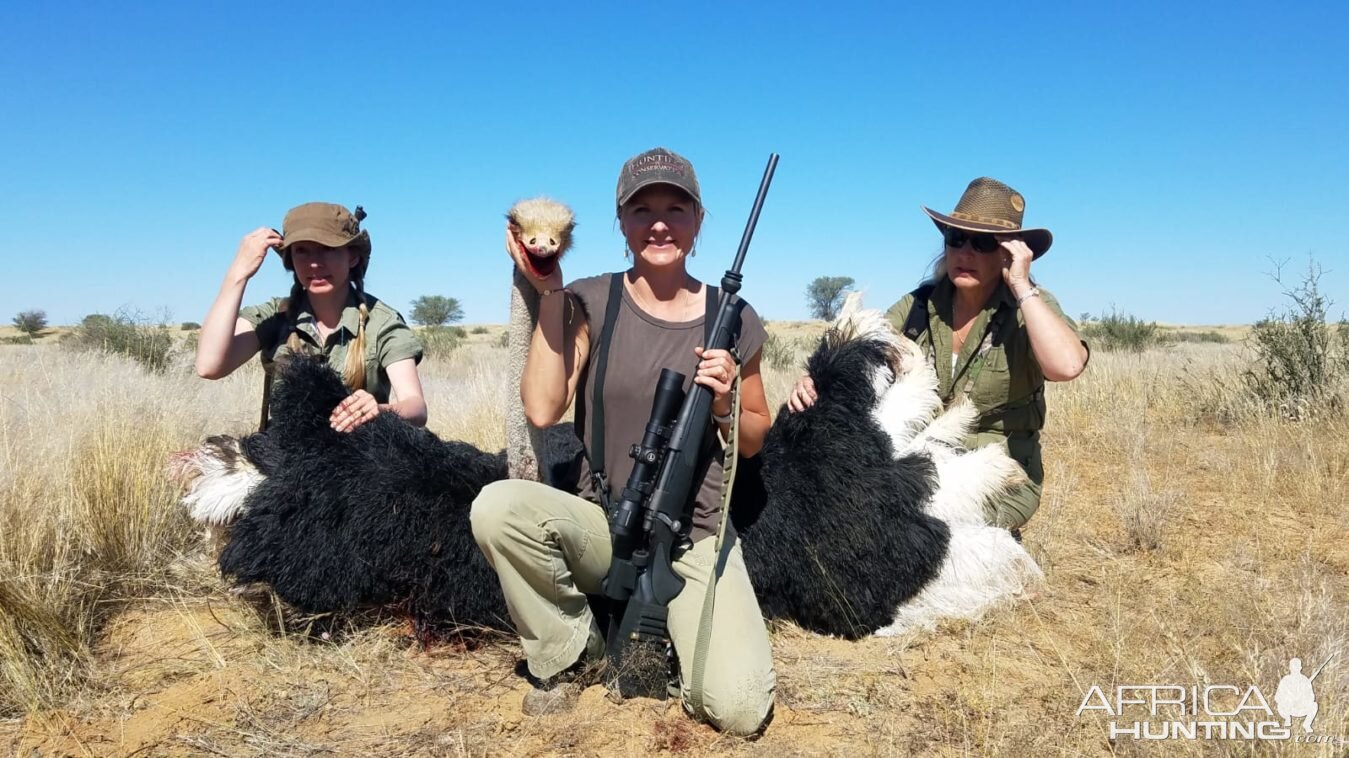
(523, 440)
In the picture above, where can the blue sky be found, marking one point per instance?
(1174, 150)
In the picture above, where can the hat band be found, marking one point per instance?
(1005, 224)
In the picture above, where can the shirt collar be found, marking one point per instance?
(350, 320)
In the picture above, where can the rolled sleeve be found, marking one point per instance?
(1053, 304)
(398, 342)
(267, 320)
(753, 334)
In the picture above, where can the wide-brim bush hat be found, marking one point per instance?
(328, 224)
(990, 206)
(657, 166)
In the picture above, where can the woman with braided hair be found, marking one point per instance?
(328, 313)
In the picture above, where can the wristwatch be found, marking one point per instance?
(1034, 292)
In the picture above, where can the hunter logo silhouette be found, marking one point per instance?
(1294, 698)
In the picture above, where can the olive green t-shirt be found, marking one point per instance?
(1005, 384)
(388, 339)
(639, 348)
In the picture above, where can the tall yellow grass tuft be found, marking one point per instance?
(87, 516)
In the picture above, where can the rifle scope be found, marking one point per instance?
(626, 522)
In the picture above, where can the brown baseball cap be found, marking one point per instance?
(988, 205)
(328, 224)
(657, 166)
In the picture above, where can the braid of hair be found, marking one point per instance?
(291, 307)
(353, 375)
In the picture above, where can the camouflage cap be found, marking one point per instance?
(657, 166)
(328, 224)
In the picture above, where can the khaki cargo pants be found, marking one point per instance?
(1015, 508)
(550, 549)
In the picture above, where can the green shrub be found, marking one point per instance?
(145, 342)
(505, 339)
(1202, 337)
(779, 352)
(1118, 331)
(440, 341)
(21, 339)
(479, 330)
(31, 322)
(1301, 362)
(189, 326)
(436, 310)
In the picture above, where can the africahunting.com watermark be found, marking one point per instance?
(1213, 711)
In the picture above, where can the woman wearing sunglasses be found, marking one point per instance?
(993, 336)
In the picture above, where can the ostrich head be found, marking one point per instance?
(542, 229)
(218, 476)
(861, 357)
(216, 479)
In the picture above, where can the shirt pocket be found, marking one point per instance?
(992, 387)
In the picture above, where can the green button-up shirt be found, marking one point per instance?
(1005, 383)
(388, 339)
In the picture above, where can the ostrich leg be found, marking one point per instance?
(523, 439)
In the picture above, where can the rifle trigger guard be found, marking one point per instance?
(672, 523)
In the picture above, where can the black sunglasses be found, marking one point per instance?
(982, 243)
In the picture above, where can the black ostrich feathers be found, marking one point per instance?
(843, 539)
(372, 517)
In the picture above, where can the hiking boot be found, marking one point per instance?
(560, 692)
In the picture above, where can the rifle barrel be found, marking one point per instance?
(754, 212)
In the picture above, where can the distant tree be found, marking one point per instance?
(436, 310)
(825, 295)
(31, 322)
(189, 326)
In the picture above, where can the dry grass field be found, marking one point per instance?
(1178, 550)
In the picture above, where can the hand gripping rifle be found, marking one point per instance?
(654, 513)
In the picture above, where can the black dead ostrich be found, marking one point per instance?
(378, 516)
(844, 539)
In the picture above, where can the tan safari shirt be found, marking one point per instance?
(388, 339)
(1003, 379)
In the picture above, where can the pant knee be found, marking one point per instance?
(1017, 507)
(741, 720)
(495, 507)
(740, 709)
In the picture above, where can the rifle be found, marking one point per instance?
(654, 514)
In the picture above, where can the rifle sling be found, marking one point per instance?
(916, 324)
(722, 554)
(596, 452)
